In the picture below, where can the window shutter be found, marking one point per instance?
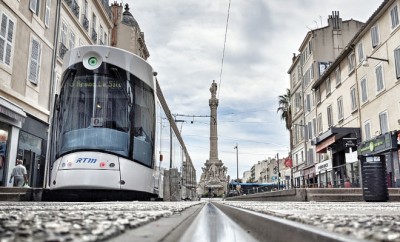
(6, 39)
(33, 5)
(34, 62)
(47, 14)
(397, 62)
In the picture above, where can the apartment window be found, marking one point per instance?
(105, 39)
(375, 36)
(299, 73)
(350, 60)
(353, 98)
(383, 121)
(85, 8)
(64, 31)
(314, 127)
(302, 130)
(312, 71)
(317, 95)
(360, 51)
(6, 39)
(330, 115)
(397, 62)
(297, 98)
(394, 17)
(34, 61)
(340, 108)
(101, 35)
(379, 78)
(47, 13)
(328, 86)
(319, 123)
(310, 157)
(309, 130)
(337, 76)
(34, 6)
(308, 103)
(94, 20)
(367, 130)
(364, 90)
(71, 40)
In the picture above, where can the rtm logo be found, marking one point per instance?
(86, 160)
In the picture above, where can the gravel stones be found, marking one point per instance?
(370, 221)
(56, 222)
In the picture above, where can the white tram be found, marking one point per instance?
(103, 133)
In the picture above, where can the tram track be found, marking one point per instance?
(218, 222)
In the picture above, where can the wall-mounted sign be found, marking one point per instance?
(378, 145)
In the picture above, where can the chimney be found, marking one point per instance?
(294, 57)
(334, 20)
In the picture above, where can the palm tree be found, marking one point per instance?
(286, 112)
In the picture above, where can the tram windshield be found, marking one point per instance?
(108, 110)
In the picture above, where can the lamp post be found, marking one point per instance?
(277, 160)
(237, 163)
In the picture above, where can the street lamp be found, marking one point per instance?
(365, 61)
(237, 163)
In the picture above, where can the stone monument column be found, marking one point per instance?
(213, 103)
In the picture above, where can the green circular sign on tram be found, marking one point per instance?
(92, 61)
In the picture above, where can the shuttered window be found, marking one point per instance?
(34, 62)
(6, 39)
(397, 62)
(374, 36)
(47, 14)
(379, 78)
(34, 6)
(394, 17)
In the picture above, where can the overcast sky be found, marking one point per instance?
(185, 39)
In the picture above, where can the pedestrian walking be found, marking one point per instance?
(19, 174)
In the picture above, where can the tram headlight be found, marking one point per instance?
(92, 60)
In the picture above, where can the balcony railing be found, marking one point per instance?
(73, 5)
(94, 36)
(75, 9)
(63, 49)
(68, 2)
(85, 22)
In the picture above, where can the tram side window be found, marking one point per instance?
(144, 124)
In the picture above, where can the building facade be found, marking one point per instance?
(27, 38)
(356, 97)
(318, 50)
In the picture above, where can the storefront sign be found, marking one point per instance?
(323, 166)
(380, 144)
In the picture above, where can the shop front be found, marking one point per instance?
(309, 177)
(324, 172)
(12, 118)
(384, 149)
(340, 141)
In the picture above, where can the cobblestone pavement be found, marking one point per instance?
(52, 222)
(369, 221)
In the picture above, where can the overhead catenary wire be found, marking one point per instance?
(223, 50)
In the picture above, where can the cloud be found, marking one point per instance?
(185, 40)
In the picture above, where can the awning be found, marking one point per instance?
(334, 134)
(12, 110)
(321, 148)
